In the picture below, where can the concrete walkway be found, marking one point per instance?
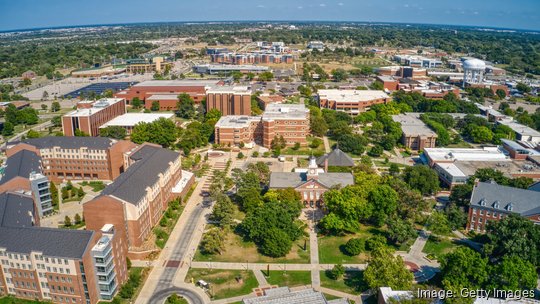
(326, 144)
(314, 257)
(261, 279)
(356, 298)
(273, 266)
(426, 267)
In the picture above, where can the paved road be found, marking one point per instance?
(165, 285)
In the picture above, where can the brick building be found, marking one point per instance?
(351, 101)
(492, 202)
(90, 115)
(76, 158)
(288, 120)
(137, 199)
(229, 100)
(57, 265)
(416, 135)
(196, 89)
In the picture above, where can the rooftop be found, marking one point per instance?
(177, 83)
(295, 179)
(163, 97)
(21, 164)
(411, 125)
(521, 129)
(16, 210)
(242, 90)
(72, 142)
(236, 121)
(96, 107)
(285, 111)
(504, 198)
(351, 95)
(336, 158)
(509, 168)
(131, 119)
(64, 243)
(150, 162)
(465, 154)
(283, 295)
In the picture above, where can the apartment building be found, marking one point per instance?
(229, 100)
(493, 202)
(73, 158)
(351, 102)
(57, 265)
(291, 121)
(90, 115)
(137, 199)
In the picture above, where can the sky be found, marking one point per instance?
(25, 14)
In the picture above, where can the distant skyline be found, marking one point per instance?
(27, 14)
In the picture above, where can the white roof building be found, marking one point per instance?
(131, 119)
(352, 95)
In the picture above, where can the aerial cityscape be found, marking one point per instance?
(291, 152)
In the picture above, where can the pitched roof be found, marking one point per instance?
(295, 179)
(488, 195)
(336, 158)
(65, 243)
(535, 187)
(150, 161)
(21, 164)
(71, 142)
(16, 210)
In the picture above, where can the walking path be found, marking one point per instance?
(261, 279)
(326, 144)
(314, 257)
(423, 268)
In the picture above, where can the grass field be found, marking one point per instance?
(352, 282)
(435, 248)
(237, 250)
(289, 278)
(224, 283)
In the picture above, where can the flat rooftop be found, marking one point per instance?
(226, 67)
(351, 95)
(236, 121)
(285, 111)
(411, 125)
(96, 107)
(131, 119)
(177, 83)
(163, 97)
(465, 154)
(241, 90)
(508, 168)
(521, 129)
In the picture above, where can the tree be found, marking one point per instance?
(481, 134)
(266, 76)
(80, 192)
(461, 195)
(44, 107)
(456, 217)
(376, 151)
(136, 103)
(186, 106)
(337, 272)
(421, 178)
(240, 155)
(384, 203)
(318, 126)
(354, 246)
(8, 129)
(77, 219)
(213, 115)
(67, 221)
(375, 241)
(438, 223)
(56, 121)
(116, 132)
(400, 231)
(223, 211)
(523, 88)
(394, 169)
(387, 270)
(463, 268)
(212, 242)
(500, 93)
(154, 106)
(276, 243)
(513, 236)
(55, 106)
(339, 75)
(33, 134)
(513, 273)
(162, 132)
(80, 133)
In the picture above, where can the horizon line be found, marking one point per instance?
(262, 21)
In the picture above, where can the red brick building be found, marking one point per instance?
(90, 115)
(77, 158)
(351, 102)
(229, 100)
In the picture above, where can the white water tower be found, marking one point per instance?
(474, 70)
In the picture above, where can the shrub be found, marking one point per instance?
(375, 241)
(337, 272)
(354, 246)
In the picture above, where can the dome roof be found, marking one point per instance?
(474, 64)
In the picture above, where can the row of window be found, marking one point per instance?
(489, 213)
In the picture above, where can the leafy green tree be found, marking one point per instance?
(276, 243)
(375, 241)
(463, 268)
(385, 269)
(78, 219)
(500, 93)
(354, 246)
(154, 106)
(162, 132)
(339, 75)
(80, 133)
(461, 195)
(438, 223)
(456, 217)
(55, 106)
(213, 115)
(513, 273)
(384, 200)
(8, 129)
(393, 169)
(376, 151)
(421, 178)
(57, 121)
(523, 88)
(513, 236)
(318, 126)
(481, 134)
(186, 106)
(266, 76)
(33, 134)
(400, 231)
(136, 103)
(336, 272)
(223, 211)
(67, 221)
(213, 242)
(116, 132)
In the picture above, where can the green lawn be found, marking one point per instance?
(352, 282)
(224, 283)
(331, 247)
(13, 300)
(435, 248)
(238, 250)
(289, 278)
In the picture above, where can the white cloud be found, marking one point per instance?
(405, 5)
(476, 13)
(300, 7)
(261, 6)
(322, 5)
(340, 4)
